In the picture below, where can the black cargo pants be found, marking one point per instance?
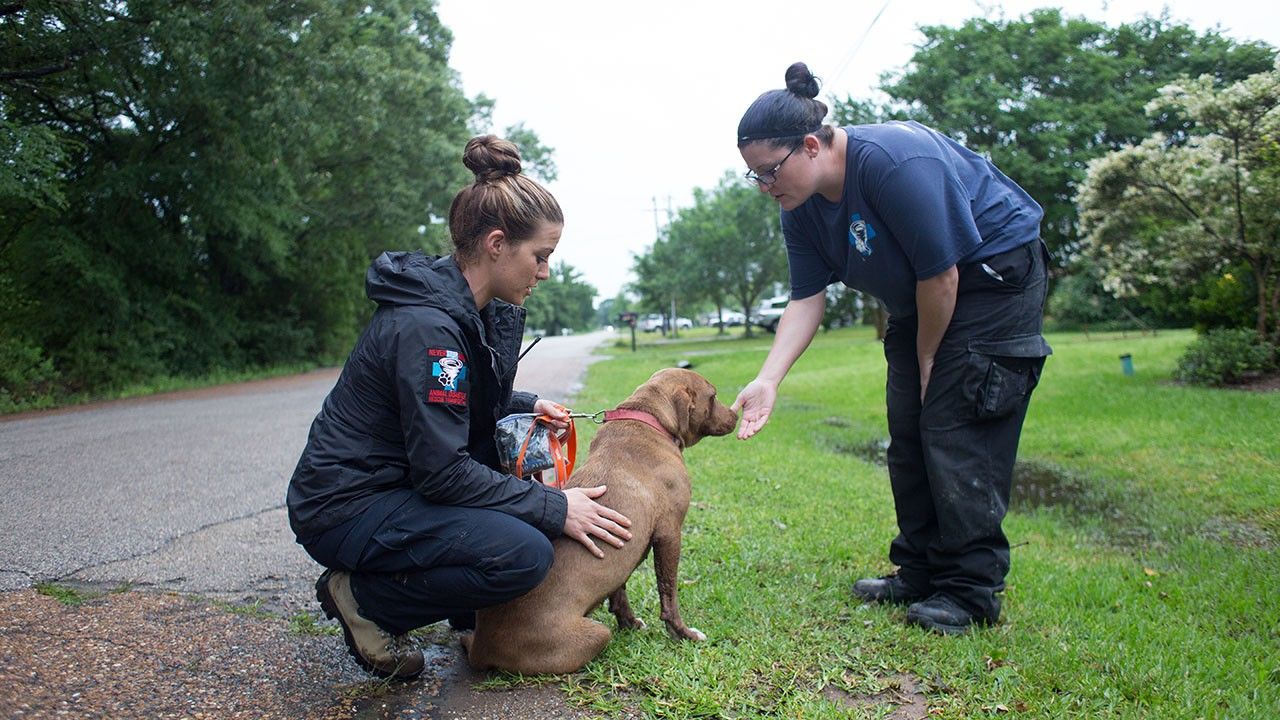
(951, 461)
(413, 563)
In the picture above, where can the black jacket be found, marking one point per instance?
(417, 403)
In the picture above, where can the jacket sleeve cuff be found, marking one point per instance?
(521, 402)
(554, 513)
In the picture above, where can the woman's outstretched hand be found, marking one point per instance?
(756, 402)
(589, 519)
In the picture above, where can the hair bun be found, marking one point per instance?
(801, 82)
(491, 158)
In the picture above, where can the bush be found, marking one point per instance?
(27, 377)
(1225, 300)
(1078, 301)
(1222, 357)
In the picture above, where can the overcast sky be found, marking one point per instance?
(640, 100)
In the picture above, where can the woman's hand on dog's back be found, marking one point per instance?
(587, 518)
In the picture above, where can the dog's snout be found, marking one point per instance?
(723, 419)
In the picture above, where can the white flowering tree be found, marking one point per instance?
(1170, 210)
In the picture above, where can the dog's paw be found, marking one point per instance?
(684, 632)
(631, 623)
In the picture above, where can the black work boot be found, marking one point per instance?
(887, 589)
(942, 613)
(375, 649)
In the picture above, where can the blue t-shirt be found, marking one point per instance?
(915, 203)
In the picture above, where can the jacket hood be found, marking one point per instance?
(411, 278)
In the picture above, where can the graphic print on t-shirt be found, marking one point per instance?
(449, 372)
(860, 234)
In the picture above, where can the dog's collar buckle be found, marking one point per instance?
(644, 417)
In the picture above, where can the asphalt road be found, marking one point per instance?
(185, 491)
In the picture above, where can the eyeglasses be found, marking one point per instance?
(770, 176)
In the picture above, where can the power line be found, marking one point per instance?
(858, 46)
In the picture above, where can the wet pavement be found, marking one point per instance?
(161, 523)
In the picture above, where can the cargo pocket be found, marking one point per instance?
(1003, 373)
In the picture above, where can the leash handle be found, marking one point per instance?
(563, 454)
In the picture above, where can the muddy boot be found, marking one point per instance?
(376, 650)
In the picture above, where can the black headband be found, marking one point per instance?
(769, 134)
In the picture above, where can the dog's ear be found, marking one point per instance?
(707, 415)
(696, 407)
(685, 402)
(658, 397)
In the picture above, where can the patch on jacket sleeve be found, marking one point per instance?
(449, 378)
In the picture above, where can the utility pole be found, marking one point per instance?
(657, 235)
(675, 329)
(657, 225)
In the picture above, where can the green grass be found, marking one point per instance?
(75, 596)
(1148, 591)
(66, 595)
(250, 609)
(305, 623)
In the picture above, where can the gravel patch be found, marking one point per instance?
(162, 655)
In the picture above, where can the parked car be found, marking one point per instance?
(650, 322)
(769, 312)
(684, 324)
(729, 318)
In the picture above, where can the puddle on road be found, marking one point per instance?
(379, 699)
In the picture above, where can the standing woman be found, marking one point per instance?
(398, 492)
(952, 248)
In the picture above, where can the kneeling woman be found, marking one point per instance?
(398, 492)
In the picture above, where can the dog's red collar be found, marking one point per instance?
(644, 417)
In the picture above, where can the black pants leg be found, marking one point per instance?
(424, 563)
(951, 460)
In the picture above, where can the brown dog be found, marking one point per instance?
(546, 630)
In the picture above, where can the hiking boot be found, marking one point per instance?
(887, 589)
(943, 614)
(375, 649)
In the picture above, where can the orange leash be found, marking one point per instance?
(563, 452)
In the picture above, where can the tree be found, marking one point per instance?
(1080, 302)
(537, 159)
(728, 246)
(1043, 94)
(663, 279)
(211, 179)
(33, 161)
(702, 237)
(1168, 211)
(610, 309)
(561, 302)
